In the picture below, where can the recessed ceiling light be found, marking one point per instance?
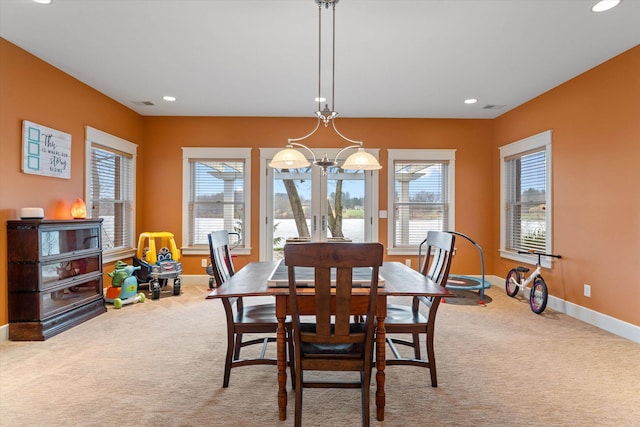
(42, 1)
(604, 5)
(169, 98)
(470, 101)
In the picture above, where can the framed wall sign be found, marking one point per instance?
(45, 151)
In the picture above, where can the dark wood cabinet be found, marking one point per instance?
(54, 274)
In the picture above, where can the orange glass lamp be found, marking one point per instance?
(79, 209)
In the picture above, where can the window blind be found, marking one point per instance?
(216, 198)
(420, 200)
(110, 195)
(526, 201)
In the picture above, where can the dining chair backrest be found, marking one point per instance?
(221, 261)
(439, 252)
(333, 321)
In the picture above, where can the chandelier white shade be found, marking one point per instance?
(361, 160)
(289, 158)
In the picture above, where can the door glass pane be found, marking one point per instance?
(345, 205)
(291, 206)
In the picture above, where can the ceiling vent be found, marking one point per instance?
(493, 107)
(147, 103)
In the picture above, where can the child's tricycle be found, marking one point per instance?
(157, 266)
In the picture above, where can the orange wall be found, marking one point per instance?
(596, 134)
(33, 90)
(595, 119)
(165, 136)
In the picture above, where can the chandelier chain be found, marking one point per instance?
(290, 158)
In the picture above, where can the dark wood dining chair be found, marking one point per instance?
(242, 318)
(326, 339)
(405, 319)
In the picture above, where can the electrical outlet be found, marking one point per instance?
(407, 262)
(204, 262)
(587, 290)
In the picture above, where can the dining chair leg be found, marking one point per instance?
(228, 358)
(432, 361)
(298, 401)
(237, 347)
(416, 346)
(291, 357)
(365, 380)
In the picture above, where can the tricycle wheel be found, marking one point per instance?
(539, 295)
(176, 286)
(142, 297)
(510, 283)
(211, 282)
(117, 303)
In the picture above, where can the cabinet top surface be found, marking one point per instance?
(52, 222)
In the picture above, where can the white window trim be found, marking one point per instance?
(540, 140)
(93, 135)
(266, 154)
(215, 153)
(421, 155)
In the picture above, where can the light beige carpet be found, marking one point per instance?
(161, 364)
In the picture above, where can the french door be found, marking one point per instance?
(305, 204)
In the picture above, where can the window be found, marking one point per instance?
(110, 187)
(215, 197)
(302, 203)
(525, 180)
(421, 196)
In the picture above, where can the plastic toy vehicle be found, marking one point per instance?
(124, 286)
(158, 258)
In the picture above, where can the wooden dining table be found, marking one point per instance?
(399, 280)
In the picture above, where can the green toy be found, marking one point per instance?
(119, 274)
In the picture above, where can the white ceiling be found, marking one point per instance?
(394, 58)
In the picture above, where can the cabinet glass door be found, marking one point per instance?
(60, 300)
(53, 273)
(61, 241)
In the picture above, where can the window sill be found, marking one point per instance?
(205, 251)
(402, 251)
(115, 255)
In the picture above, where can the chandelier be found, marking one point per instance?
(290, 157)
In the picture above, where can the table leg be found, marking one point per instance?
(380, 365)
(282, 366)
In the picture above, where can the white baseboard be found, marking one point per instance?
(602, 321)
(599, 320)
(4, 333)
(195, 279)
